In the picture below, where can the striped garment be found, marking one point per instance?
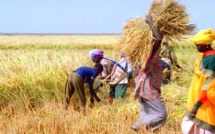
(112, 70)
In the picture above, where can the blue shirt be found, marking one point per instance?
(86, 73)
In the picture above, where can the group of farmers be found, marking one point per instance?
(200, 114)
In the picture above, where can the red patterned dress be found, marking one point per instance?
(152, 109)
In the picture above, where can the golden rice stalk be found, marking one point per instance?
(134, 42)
(171, 19)
(128, 109)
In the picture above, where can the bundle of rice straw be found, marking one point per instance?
(169, 17)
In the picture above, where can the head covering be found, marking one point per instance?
(96, 53)
(98, 67)
(204, 37)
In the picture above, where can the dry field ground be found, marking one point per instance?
(33, 73)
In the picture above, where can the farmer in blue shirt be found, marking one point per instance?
(76, 80)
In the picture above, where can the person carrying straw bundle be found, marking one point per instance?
(142, 43)
(168, 16)
(200, 114)
(152, 110)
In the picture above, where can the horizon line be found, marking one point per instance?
(60, 33)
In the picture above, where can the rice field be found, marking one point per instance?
(33, 71)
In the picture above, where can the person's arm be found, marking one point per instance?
(203, 98)
(92, 92)
(105, 73)
(156, 34)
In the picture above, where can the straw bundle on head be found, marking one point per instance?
(136, 40)
(171, 18)
(168, 16)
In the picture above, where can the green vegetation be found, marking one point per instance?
(33, 73)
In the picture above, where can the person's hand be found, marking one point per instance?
(193, 112)
(97, 99)
(92, 100)
(101, 84)
(148, 18)
(105, 80)
(178, 66)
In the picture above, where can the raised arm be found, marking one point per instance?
(156, 34)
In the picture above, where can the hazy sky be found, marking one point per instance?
(87, 16)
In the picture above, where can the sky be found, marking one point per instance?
(88, 16)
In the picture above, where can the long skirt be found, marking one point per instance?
(188, 127)
(152, 109)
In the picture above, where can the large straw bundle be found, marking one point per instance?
(169, 17)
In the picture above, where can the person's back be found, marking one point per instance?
(126, 65)
(86, 73)
(122, 86)
(108, 67)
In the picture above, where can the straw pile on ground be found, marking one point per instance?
(171, 19)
